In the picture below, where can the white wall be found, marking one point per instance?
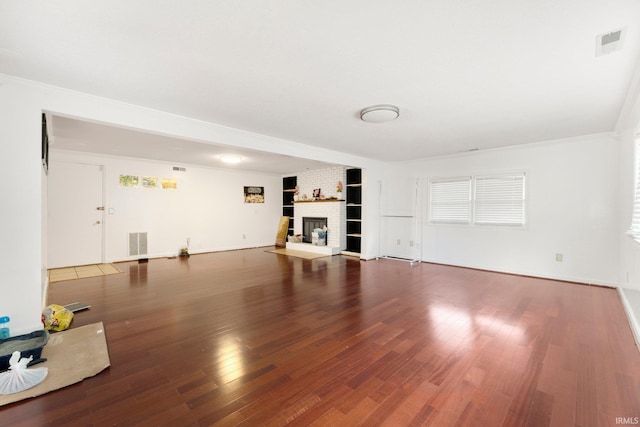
(20, 236)
(372, 179)
(628, 129)
(207, 207)
(400, 218)
(629, 249)
(572, 209)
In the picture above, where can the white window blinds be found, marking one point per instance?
(499, 199)
(451, 200)
(634, 231)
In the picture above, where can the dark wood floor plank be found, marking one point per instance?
(252, 338)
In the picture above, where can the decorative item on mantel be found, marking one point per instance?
(295, 193)
(339, 189)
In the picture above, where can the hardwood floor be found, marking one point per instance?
(254, 338)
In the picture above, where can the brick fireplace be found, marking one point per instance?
(335, 213)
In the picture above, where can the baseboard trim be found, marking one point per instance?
(634, 322)
(568, 279)
(191, 252)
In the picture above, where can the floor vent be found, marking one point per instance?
(137, 244)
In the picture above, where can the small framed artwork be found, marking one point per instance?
(254, 194)
(169, 184)
(150, 182)
(129, 180)
(316, 193)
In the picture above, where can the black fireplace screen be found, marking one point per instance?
(309, 224)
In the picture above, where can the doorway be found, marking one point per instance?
(75, 215)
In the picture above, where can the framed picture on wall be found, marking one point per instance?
(129, 180)
(254, 194)
(169, 184)
(150, 182)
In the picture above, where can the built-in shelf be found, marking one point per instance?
(288, 189)
(354, 211)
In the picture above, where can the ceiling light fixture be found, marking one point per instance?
(230, 158)
(380, 113)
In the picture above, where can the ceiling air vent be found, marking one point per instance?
(179, 169)
(609, 42)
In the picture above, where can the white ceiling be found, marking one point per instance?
(83, 136)
(464, 74)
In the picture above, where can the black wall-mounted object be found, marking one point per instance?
(45, 144)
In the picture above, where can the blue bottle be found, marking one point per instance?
(4, 327)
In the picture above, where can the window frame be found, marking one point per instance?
(451, 180)
(473, 220)
(504, 188)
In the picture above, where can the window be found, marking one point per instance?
(634, 230)
(499, 199)
(489, 199)
(451, 200)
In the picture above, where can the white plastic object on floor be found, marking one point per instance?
(19, 377)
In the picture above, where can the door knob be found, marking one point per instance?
(100, 208)
(98, 222)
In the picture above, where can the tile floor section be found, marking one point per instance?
(81, 272)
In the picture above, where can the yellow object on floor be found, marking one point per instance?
(82, 272)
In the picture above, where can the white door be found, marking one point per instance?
(75, 213)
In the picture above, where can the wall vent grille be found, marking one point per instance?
(137, 244)
(609, 42)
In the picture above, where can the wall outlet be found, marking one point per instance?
(398, 242)
(411, 243)
(188, 240)
(559, 257)
(244, 236)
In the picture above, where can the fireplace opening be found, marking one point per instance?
(309, 224)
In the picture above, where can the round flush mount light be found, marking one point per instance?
(230, 158)
(379, 113)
